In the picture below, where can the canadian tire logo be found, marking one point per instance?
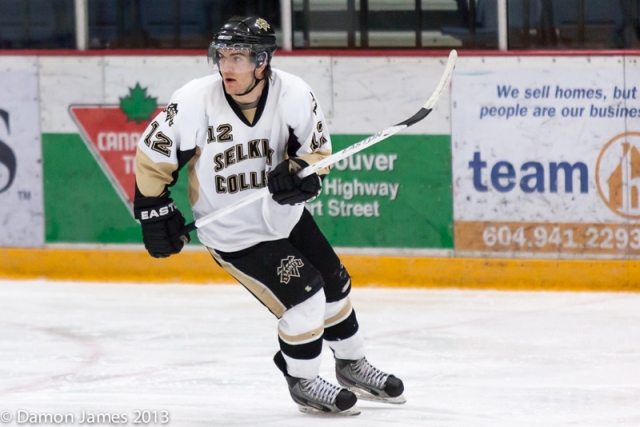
(111, 132)
(8, 163)
(618, 175)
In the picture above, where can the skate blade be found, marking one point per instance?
(354, 410)
(365, 395)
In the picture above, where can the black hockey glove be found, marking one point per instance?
(287, 188)
(162, 225)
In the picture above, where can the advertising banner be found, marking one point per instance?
(112, 132)
(21, 207)
(394, 195)
(546, 156)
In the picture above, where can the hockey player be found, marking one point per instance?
(246, 127)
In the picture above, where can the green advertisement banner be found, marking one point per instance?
(396, 194)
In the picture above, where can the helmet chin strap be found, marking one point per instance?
(256, 81)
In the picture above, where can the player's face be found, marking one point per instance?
(236, 69)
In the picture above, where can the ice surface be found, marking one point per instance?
(203, 353)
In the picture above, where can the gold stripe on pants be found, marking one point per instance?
(262, 292)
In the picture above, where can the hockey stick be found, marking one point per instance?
(343, 154)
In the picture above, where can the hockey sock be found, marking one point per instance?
(342, 330)
(300, 336)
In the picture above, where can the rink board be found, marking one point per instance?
(547, 194)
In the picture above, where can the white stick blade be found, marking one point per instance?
(444, 80)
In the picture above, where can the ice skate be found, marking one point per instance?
(318, 396)
(369, 382)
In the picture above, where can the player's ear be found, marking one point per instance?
(260, 71)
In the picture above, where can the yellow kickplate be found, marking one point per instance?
(199, 267)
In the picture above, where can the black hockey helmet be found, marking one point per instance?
(251, 33)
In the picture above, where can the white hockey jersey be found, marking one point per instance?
(228, 156)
